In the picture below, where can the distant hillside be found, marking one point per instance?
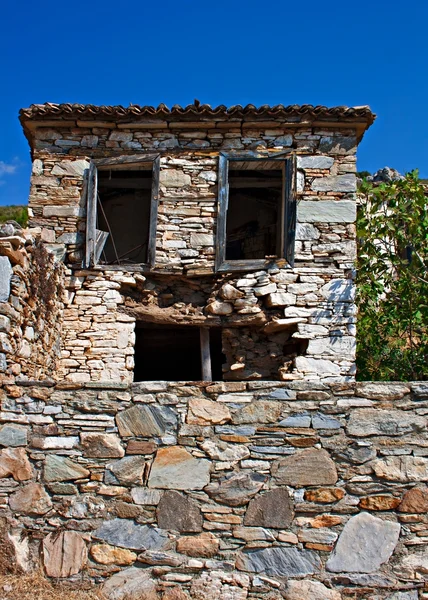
(14, 213)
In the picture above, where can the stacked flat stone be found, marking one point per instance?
(233, 489)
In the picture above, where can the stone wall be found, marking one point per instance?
(228, 490)
(312, 301)
(31, 306)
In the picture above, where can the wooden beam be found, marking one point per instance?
(205, 354)
(125, 161)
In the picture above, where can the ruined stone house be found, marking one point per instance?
(179, 417)
(199, 243)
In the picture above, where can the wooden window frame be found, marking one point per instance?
(95, 239)
(287, 224)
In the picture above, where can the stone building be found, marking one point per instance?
(200, 243)
(179, 416)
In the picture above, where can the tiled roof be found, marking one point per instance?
(196, 111)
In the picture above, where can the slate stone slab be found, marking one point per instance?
(373, 421)
(280, 561)
(128, 470)
(308, 467)
(178, 513)
(60, 468)
(272, 509)
(365, 543)
(314, 162)
(5, 276)
(64, 553)
(13, 435)
(236, 489)
(310, 590)
(402, 468)
(335, 183)
(320, 421)
(326, 211)
(132, 584)
(261, 411)
(127, 534)
(175, 468)
(146, 421)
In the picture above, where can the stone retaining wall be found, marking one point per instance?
(224, 490)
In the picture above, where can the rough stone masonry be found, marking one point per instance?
(308, 307)
(283, 478)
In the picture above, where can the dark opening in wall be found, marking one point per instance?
(254, 212)
(124, 211)
(164, 353)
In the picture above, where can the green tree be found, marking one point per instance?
(392, 281)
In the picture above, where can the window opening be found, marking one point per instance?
(164, 353)
(122, 196)
(254, 210)
(124, 200)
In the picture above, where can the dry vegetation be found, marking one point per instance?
(16, 585)
(35, 586)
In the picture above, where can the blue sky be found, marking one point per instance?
(224, 52)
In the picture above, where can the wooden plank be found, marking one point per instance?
(101, 238)
(123, 159)
(290, 211)
(99, 124)
(246, 265)
(196, 125)
(205, 354)
(262, 164)
(91, 219)
(223, 199)
(143, 125)
(280, 240)
(57, 124)
(154, 203)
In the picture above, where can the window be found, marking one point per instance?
(186, 353)
(122, 211)
(257, 212)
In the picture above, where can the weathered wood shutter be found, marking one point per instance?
(91, 216)
(290, 211)
(223, 197)
(151, 249)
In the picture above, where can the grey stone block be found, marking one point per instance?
(314, 162)
(5, 277)
(336, 183)
(326, 211)
(365, 543)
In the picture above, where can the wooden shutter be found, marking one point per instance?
(223, 197)
(91, 216)
(290, 211)
(151, 249)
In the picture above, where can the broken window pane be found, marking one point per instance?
(254, 211)
(124, 198)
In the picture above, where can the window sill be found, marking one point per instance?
(137, 268)
(259, 264)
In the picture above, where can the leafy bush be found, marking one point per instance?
(392, 281)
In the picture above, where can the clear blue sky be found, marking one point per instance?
(223, 52)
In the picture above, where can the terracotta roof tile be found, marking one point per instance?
(198, 110)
